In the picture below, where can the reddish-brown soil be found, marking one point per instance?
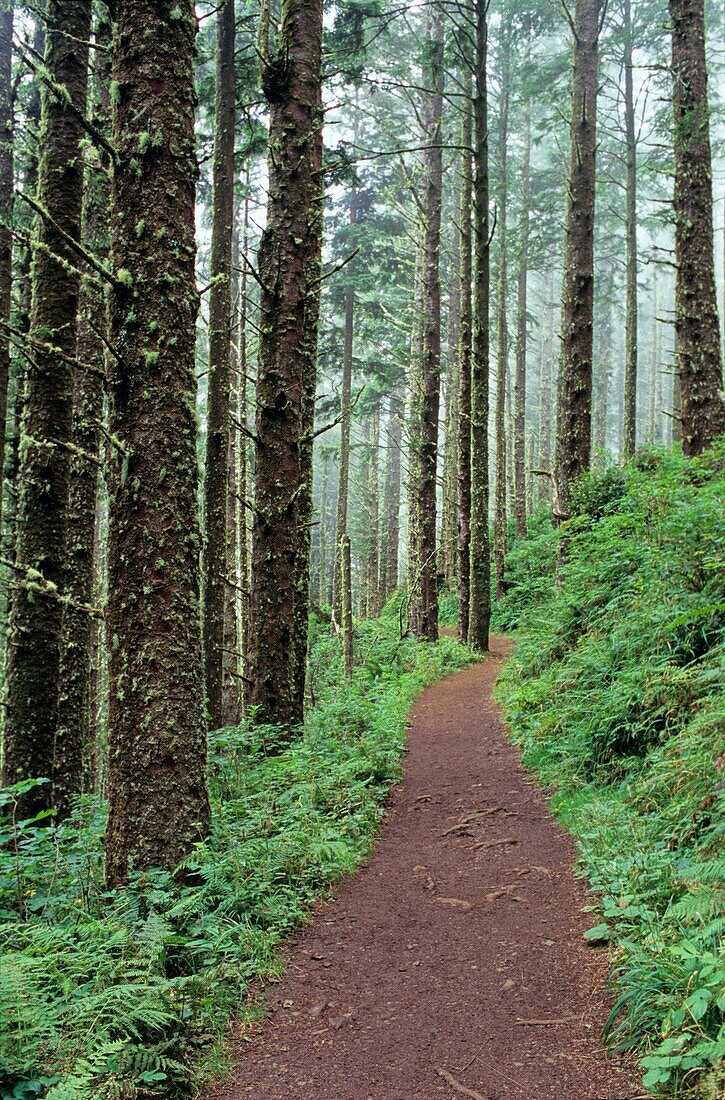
(453, 964)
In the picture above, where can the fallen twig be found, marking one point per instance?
(494, 843)
(458, 1087)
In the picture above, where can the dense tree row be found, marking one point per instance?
(301, 314)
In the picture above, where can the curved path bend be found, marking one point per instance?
(452, 964)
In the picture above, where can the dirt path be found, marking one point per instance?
(453, 964)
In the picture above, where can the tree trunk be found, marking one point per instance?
(574, 407)
(36, 624)
(603, 378)
(449, 517)
(158, 805)
(629, 427)
(76, 731)
(425, 389)
(373, 562)
(345, 412)
(522, 335)
(547, 389)
(696, 320)
(480, 601)
(500, 531)
(391, 529)
(346, 592)
(232, 662)
(6, 214)
(215, 565)
(464, 368)
(289, 267)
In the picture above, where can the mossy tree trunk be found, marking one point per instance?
(449, 503)
(158, 804)
(629, 412)
(425, 386)
(520, 381)
(6, 214)
(343, 484)
(215, 566)
(76, 732)
(574, 406)
(289, 269)
(36, 620)
(499, 507)
(464, 365)
(696, 320)
(389, 563)
(480, 581)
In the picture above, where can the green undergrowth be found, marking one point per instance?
(615, 693)
(129, 994)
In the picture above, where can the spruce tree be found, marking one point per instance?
(158, 805)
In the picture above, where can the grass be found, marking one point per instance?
(615, 694)
(129, 994)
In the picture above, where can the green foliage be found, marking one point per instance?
(615, 693)
(122, 995)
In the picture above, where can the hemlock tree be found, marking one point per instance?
(696, 320)
(74, 741)
(158, 805)
(37, 608)
(6, 212)
(480, 548)
(215, 565)
(289, 273)
(574, 408)
(425, 383)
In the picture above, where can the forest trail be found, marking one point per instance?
(453, 964)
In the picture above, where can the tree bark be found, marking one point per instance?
(629, 426)
(500, 531)
(464, 376)
(216, 470)
(373, 555)
(158, 805)
(345, 412)
(480, 600)
(520, 386)
(76, 730)
(547, 388)
(425, 389)
(36, 621)
(232, 660)
(289, 268)
(389, 565)
(574, 411)
(6, 214)
(696, 320)
(449, 516)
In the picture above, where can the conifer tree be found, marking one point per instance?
(37, 608)
(215, 565)
(158, 804)
(698, 338)
(289, 273)
(574, 406)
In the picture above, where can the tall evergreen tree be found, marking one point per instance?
(698, 337)
(425, 385)
(574, 407)
(6, 214)
(37, 608)
(158, 804)
(215, 565)
(289, 271)
(74, 748)
(480, 582)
